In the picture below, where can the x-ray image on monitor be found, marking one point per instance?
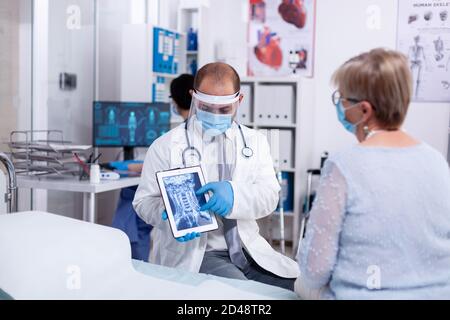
(129, 124)
(178, 191)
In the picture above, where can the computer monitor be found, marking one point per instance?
(129, 124)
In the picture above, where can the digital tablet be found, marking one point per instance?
(178, 189)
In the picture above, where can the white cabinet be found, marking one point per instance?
(281, 108)
(286, 149)
(244, 112)
(194, 14)
(276, 104)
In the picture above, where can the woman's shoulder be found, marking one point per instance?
(344, 155)
(354, 155)
(340, 161)
(434, 154)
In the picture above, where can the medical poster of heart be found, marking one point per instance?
(423, 35)
(281, 37)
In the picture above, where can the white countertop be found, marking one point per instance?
(75, 185)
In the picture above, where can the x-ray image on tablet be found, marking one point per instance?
(178, 189)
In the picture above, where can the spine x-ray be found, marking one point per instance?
(184, 203)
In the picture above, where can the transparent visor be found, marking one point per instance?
(209, 118)
(214, 113)
(215, 104)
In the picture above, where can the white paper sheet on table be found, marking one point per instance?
(69, 147)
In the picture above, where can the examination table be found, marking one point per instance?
(47, 256)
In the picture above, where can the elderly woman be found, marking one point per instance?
(380, 224)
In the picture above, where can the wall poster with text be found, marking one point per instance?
(423, 34)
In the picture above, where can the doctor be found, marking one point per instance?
(236, 162)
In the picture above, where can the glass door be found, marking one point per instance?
(71, 83)
(15, 79)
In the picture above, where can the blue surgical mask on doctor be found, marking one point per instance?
(214, 123)
(215, 112)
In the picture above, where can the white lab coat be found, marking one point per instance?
(256, 194)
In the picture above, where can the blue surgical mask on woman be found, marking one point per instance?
(217, 123)
(350, 127)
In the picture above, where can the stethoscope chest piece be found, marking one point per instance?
(247, 152)
(191, 156)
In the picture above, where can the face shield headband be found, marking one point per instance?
(215, 113)
(216, 100)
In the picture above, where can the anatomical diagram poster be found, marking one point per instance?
(281, 37)
(424, 36)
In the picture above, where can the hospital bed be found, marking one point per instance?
(47, 256)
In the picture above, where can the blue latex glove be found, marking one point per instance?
(123, 165)
(188, 237)
(222, 201)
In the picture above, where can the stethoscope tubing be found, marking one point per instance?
(246, 151)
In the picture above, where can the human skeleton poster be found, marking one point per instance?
(424, 36)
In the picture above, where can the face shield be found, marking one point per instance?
(213, 114)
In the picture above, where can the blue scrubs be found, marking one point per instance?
(127, 220)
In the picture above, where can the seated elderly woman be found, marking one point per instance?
(380, 224)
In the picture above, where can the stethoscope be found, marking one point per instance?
(246, 151)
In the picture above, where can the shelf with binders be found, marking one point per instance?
(271, 105)
(267, 105)
(287, 193)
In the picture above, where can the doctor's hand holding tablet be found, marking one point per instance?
(188, 204)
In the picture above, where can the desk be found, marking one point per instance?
(88, 189)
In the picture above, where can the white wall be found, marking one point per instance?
(228, 30)
(112, 15)
(341, 32)
(168, 11)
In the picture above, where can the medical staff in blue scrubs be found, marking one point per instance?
(125, 217)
